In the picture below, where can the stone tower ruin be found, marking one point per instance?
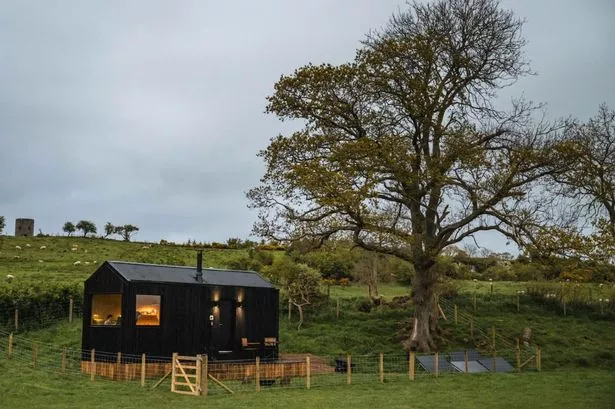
(24, 227)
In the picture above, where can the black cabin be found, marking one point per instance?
(136, 308)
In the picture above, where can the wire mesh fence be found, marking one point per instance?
(255, 375)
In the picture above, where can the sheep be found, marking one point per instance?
(17, 247)
(28, 245)
(74, 249)
(16, 257)
(87, 263)
(86, 250)
(43, 247)
(76, 263)
(9, 277)
(40, 261)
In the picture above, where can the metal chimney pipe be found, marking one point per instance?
(199, 266)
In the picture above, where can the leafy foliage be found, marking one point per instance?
(2, 224)
(69, 228)
(86, 227)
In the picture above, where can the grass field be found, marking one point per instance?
(26, 388)
(578, 349)
(55, 263)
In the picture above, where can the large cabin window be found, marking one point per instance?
(106, 309)
(148, 310)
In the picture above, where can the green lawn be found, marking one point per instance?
(26, 388)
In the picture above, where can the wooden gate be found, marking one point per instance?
(186, 374)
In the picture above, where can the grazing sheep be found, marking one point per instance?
(94, 262)
(18, 247)
(86, 250)
(16, 257)
(76, 263)
(9, 277)
(43, 247)
(40, 261)
(28, 245)
(87, 263)
(74, 249)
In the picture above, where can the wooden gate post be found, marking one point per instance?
(10, 349)
(92, 364)
(381, 367)
(205, 374)
(70, 309)
(436, 363)
(199, 368)
(173, 371)
(308, 372)
(258, 374)
(348, 369)
(411, 366)
(143, 370)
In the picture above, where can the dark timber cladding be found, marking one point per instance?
(137, 308)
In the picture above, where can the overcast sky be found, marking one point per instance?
(151, 112)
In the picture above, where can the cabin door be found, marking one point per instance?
(223, 331)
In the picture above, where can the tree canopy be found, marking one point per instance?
(403, 150)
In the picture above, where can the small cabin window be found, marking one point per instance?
(148, 310)
(106, 309)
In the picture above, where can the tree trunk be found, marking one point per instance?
(425, 307)
(374, 282)
(300, 308)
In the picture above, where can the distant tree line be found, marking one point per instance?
(88, 227)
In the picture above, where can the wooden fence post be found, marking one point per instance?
(118, 367)
(436, 362)
(70, 309)
(381, 367)
(258, 374)
(538, 359)
(348, 369)
(63, 361)
(16, 319)
(205, 374)
(290, 309)
(465, 361)
(10, 349)
(456, 320)
(199, 368)
(308, 372)
(143, 370)
(34, 354)
(92, 364)
(493, 364)
(493, 337)
(518, 355)
(411, 366)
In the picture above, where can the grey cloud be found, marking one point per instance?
(151, 112)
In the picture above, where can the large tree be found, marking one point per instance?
(86, 227)
(403, 150)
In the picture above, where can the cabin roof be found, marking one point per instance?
(160, 273)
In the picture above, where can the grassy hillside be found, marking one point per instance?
(55, 262)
